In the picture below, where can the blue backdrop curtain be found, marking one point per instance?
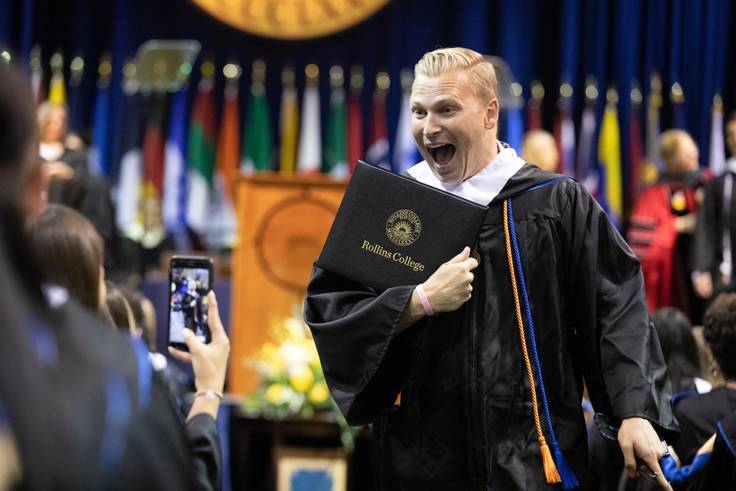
(619, 42)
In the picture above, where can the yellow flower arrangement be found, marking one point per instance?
(292, 382)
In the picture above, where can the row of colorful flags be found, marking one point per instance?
(180, 176)
(594, 153)
(185, 171)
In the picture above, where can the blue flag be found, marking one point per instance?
(175, 175)
(99, 152)
(513, 130)
(405, 150)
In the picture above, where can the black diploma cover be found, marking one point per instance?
(392, 230)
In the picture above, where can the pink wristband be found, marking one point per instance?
(424, 300)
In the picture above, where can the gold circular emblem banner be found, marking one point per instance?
(291, 19)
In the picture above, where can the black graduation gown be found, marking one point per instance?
(698, 416)
(465, 419)
(720, 471)
(713, 220)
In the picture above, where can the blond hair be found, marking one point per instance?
(43, 113)
(669, 143)
(539, 147)
(481, 72)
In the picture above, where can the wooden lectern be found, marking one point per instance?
(283, 222)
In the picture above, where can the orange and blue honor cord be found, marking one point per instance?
(556, 469)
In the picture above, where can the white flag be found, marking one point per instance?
(310, 137)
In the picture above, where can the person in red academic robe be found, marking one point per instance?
(662, 224)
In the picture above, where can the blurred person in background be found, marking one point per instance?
(715, 234)
(70, 180)
(662, 225)
(144, 326)
(79, 406)
(63, 161)
(539, 148)
(119, 309)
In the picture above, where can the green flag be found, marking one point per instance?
(201, 157)
(336, 138)
(257, 144)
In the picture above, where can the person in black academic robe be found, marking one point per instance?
(464, 419)
(715, 233)
(720, 470)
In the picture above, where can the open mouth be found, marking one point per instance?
(442, 154)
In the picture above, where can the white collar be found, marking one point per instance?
(483, 186)
(731, 165)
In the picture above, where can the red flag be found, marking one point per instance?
(153, 173)
(355, 118)
(534, 107)
(534, 116)
(378, 150)
(153, 146)
(355, 131)
(557, 131)
(636, 148)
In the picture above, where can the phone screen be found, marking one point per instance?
(188, 302)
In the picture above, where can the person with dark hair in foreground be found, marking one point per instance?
(699, 415)
(80, 406)
(489, 356)
(70, 254)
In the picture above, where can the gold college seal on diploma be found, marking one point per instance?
(403, 227)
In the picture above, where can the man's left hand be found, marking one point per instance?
(637, 438)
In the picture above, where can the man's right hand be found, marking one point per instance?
(451, 285)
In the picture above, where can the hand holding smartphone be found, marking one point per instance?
(190, 281)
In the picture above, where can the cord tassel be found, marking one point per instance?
(569, 480)
(548, 463)
(550, 469)
(563, 469)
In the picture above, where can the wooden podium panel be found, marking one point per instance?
(283, 222)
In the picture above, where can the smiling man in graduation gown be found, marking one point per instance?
(489, 355)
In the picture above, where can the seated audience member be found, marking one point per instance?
(539, 148)
(120, 310)
(79, 406)
(719, 471)
(662, 226)
(680, 351)
(698, 415)
(144, 315)
(70, 253)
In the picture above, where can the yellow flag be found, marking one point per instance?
(289, 129)
(57, 91)
(609, 156)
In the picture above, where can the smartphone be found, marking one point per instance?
(190, 280)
